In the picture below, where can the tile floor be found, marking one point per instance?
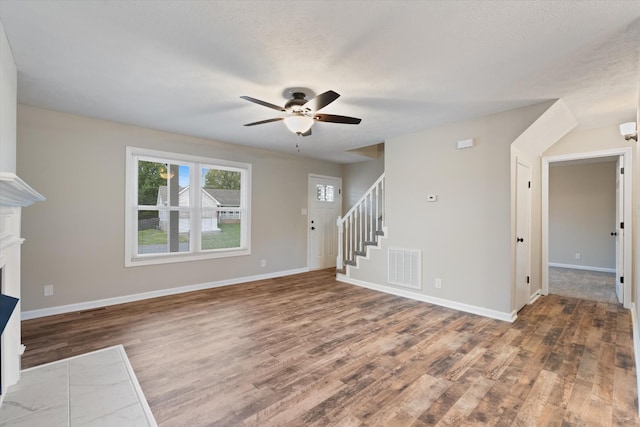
(94, 389)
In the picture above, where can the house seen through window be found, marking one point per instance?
(185, 207)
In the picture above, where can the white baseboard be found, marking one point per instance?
(534, 297)
(636, 345)
(481, 311)
(583, 267)
(70, 308)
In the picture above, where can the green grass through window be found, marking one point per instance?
(154, 236)
(227, 237)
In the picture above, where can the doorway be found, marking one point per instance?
(565, 262)
(324, 208)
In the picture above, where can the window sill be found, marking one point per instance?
(173, 258)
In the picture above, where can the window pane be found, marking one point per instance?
(324, 193)
(221, 231)
(220, 193)
(162, 184)
(151, 238)
(220, 189)
(183, 172)
(161, 232)
(181, 243)
(329, 193)
(150, 181)
(221, 178)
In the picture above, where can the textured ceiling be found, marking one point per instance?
(401, 66)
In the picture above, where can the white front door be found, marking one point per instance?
(619, 229)
(523, 233)
(325, 205)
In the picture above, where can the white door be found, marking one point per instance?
(523, 233)
(619, 229)
(325, 205)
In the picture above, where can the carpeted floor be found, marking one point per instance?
(583, 284)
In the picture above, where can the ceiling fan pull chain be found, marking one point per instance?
(298, 142)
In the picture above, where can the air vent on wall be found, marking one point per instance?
(404, 268)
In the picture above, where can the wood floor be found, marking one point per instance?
(307, 350)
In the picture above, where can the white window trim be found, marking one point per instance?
(132, 259)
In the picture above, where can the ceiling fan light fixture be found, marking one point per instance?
(298, 124)
(302, 112)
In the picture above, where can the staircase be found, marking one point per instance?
(361, 227)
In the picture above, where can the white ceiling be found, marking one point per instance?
(401, 66)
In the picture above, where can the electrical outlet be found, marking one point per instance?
(438, 283)
(578, 256)
(263, 263)
(48, 290)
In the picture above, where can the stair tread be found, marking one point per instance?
(366, 229)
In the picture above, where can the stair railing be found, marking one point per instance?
(361, 225)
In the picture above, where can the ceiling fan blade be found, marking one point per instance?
(263, 103)
(261, 122)
(321, 100)
(336, 119)
(307, 133)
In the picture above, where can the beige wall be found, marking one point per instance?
(8, 88)
(588, 140)
(358, 177)
(636, 288)
(75, 240)
(465, 237)
(582, 214)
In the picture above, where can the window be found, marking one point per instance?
(183, 208)
(324, 193)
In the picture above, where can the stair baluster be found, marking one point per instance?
(361, 225)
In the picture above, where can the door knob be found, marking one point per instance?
(519, 239)
(313, 228)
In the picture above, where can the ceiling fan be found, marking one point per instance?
(303, 112)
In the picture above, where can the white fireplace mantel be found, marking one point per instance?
(14, 192)
(14, 195)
